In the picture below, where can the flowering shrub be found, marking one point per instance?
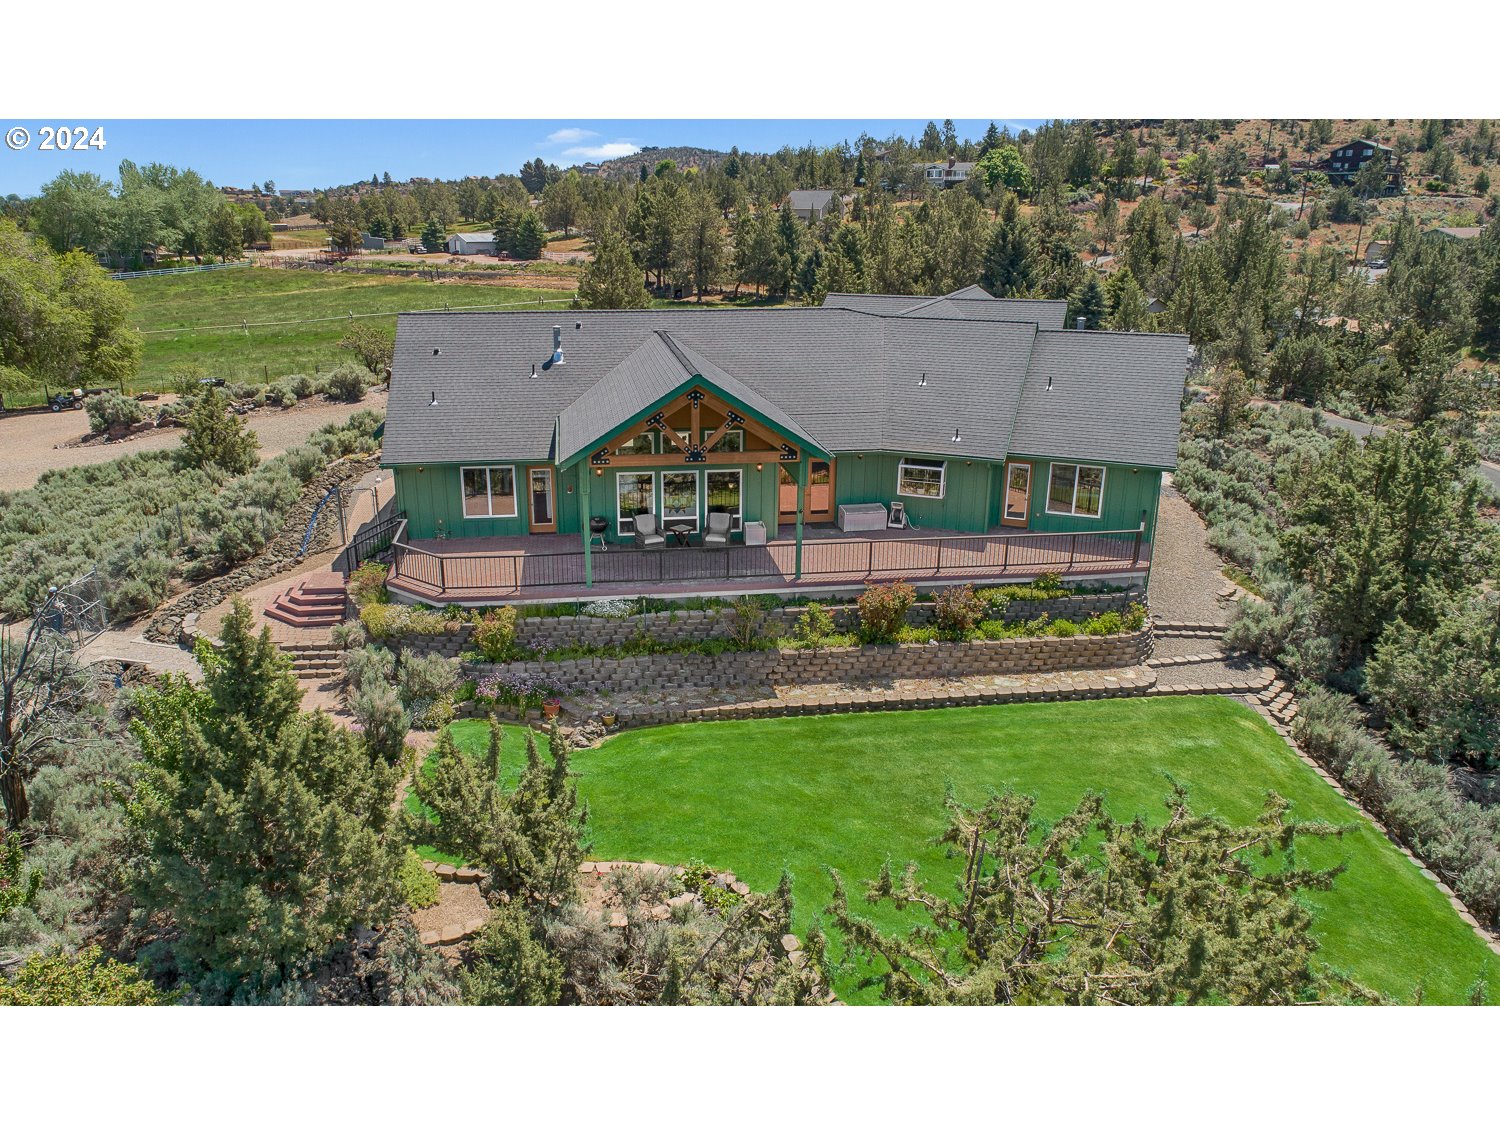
(609, 607)
(882, 610)
(514, 689)
(495, 634)
(958, 611)
(367, 584)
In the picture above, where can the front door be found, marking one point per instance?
(1016, 501)
(543, 513)
(819, 493)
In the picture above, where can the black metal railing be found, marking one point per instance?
(370, 540)
(965, 556)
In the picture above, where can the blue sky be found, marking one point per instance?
(306, 154)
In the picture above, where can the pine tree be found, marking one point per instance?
(528, 237)
(613, 280)
(1011, 265)
(266, 832)
(433, 236)
(1088, 302)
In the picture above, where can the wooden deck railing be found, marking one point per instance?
(957, 556)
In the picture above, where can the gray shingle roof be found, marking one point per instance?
(840, 378)
(804, 200)
(1115, 396)
(654, 371)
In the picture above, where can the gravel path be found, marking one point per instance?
(1186, 573)
(30, 441)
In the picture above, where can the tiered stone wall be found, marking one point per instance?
(688, 625)
(675, 671)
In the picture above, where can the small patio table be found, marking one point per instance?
(683, 534)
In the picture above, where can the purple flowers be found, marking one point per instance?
(519, 689)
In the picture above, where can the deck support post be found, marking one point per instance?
(801, 505)
(585, 512)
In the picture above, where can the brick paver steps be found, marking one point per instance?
(311, 603)
(1179, 661)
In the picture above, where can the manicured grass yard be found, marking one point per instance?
(848, 791)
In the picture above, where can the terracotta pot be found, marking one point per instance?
(550, 710)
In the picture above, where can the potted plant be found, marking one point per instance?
(551, 707)
(607, 717)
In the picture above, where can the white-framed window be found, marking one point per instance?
(634, 493)
(488, 491)
(723, 491)
(679, 499)
(733, 441)
(921, 478)
(641, 443)
(1075, 490)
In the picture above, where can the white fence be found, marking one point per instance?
(126, 275)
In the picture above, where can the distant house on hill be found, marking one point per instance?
(811, 206)
(1155, 305)
(1377, 254)
(472, 242)
(368, 241)
(1458, 234)
(947, 173)
(1346, 161)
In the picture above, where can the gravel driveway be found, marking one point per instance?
(29, 441)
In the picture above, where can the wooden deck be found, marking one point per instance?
(543, 568)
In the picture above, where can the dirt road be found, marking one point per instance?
(28, 442)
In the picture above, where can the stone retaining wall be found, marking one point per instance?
(687, 625)
(943, 660)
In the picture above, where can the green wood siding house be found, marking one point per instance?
(521, 435)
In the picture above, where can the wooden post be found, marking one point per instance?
(801, 504)
(585, 513)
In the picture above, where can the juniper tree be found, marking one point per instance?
(42, 687)
(265, 833)
(1091, 910)
(214, 436)
(1011, 262)
(531, 838)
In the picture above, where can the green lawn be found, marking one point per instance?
(235, 296)
(848, 791)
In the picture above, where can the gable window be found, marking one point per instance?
(732, 441)
(917, 477)
(489, 492)
(1075, 490)
(641, 443)
(635, 493)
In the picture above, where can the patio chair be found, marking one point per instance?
(717, 534)
(646, 534)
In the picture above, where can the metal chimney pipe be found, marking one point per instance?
(1081, 322)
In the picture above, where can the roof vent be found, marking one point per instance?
(433, 400)
(1080, 322)
(922, 379)
(533, 371)
(557, 353)
(1049, 382)
(955, 434)
(437, 351)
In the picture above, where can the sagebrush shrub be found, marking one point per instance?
(346, 383)
(112, 408)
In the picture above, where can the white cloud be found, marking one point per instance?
(603, 152)
(569, 136)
